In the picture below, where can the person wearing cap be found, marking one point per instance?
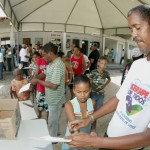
(135, 54)
(129, 127)
(93, 57)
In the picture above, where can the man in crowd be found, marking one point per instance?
(130, 126)
(122, 56)
(24, 58)
(54, 86)
(69, 53)
(93, 57)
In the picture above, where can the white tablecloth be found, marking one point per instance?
(24, 141)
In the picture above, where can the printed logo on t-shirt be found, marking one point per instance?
(75, 64)
(43, 67)
(138, 93)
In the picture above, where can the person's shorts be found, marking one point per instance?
(41, 103)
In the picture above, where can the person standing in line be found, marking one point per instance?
(113, 55)
(3, 51)
(41, 65)
(24, 58)
(78, 65)
(69, 53)
(129, 127)
(54, 86)
(93, 57)
(9, 57)
(100, 78)
(122, 56)
(1, 65)
(106, 52)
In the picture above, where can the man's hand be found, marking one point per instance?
(34, 81)
(77, 124)
(82, 140)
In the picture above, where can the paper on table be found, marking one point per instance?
(25, 88)
(52, 139)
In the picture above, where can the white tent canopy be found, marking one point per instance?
(81, 16)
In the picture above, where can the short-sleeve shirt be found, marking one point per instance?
(23, 53)
(132, 114)
(55, 73)
(98, 80)
(42, 64)
(77, 64)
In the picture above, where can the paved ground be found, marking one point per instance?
(102, 123)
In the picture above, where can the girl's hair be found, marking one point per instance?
(81, 79)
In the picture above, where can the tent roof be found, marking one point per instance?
(70, 15)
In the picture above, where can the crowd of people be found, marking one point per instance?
(51, 73)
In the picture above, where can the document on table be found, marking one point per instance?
(25, 88)
(52, 139)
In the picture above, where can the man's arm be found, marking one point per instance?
(107, 108)
(45, 83)
(123, 142)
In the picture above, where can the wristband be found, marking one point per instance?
(92, 118)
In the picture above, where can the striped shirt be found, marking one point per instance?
(55, 73)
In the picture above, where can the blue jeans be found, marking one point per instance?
(1, 70)
(99, 99)
(53, 119)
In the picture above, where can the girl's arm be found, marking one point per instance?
(93, 128)
(69, 111)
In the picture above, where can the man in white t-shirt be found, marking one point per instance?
(24, 57)
(129, 127)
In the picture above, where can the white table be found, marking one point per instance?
(24, 141)
(27, 112)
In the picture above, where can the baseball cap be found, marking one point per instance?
(136, 52)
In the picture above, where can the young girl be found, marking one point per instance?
(100, 79)
(81, 106)
(17, 83)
